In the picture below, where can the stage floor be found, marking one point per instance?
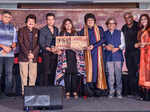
(91, 104)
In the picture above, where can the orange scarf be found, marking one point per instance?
(101, 81)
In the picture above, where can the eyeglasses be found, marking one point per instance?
(111, 23)
(143, 19)
(127, 17)
(9, 17)
(90, 20)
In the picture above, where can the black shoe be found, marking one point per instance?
(2, 95)
(10, 94)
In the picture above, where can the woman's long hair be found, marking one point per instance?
(141, 26)
(148, 24)
(63, 28)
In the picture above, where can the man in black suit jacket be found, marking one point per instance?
(47, 42)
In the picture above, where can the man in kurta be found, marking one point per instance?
(93, 55)
(115, 43)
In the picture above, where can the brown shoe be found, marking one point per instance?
(67, 95)
(75, 95)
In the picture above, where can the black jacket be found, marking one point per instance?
(46, 38)
(130, 36)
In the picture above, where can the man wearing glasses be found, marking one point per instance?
(114, 57)
(8, 39)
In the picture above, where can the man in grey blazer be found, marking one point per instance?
(47, 42)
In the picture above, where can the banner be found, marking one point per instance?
(72, 42)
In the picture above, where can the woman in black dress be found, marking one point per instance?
(70, 75)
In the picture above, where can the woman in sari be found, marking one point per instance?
(144, 45)
(93, 55)
(69, 62)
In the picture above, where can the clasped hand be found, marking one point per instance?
(54, 49)
(7, 49)
(110, 48)
(30, 56)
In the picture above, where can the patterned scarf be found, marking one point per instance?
(62, 65)
(101, 81)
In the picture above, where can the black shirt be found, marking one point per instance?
(130, 36)
(46, 38)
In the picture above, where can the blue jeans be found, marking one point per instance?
(114, 72)
(7, 62)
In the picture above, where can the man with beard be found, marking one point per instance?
(130, 30)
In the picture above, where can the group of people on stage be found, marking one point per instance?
(101, 62)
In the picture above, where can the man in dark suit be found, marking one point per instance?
(29, 49)
(47, 42)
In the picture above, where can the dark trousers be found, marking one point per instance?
(7, 63)
(70, 82)
(16, 80)
(49, 69)
(132, 61)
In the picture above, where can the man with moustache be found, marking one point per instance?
(29, 49)
(47, 43)
(130, 30)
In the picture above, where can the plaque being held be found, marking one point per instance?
(72, 42)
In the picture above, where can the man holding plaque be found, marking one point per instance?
(47, 42)
(93, 55)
